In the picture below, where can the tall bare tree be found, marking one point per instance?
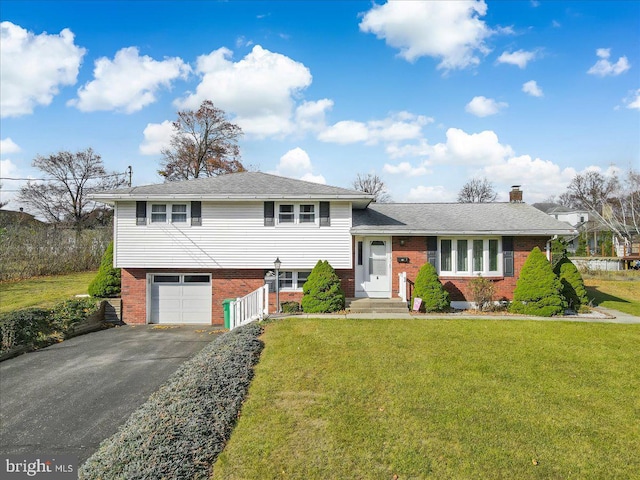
(373, 185)
(204, 144)
(62, 198)
(615, 202)
(477, 190)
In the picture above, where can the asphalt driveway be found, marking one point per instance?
(67, 398)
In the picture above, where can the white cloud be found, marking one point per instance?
(297, 164)
(483, 107)
(519, 58)
(128, 83)
(633, 100)
(9, 169)
(532, 88)
(406, 169)
(34, 67)
(450, 31)
(461, 148)
(312, 115)
(539, 178)
(260, 89)
(436, 194)
(156, 137)
(604, 67)
(399, 127)
(8, 146)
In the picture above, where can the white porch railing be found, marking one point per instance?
(402, 286)
(254, 306)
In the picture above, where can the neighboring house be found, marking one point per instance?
(11, 218)
(184, 247)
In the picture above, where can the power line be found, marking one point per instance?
(64, 179)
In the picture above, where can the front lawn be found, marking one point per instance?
(42, 291)
(620, 294)
(440, 399)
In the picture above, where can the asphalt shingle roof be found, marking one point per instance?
(243, 185)
(456, 219)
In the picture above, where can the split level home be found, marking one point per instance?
(186, 246)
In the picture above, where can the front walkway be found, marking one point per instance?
(608, 316)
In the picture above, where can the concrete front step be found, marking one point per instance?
(376, 305)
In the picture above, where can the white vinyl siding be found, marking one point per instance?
(232, 235)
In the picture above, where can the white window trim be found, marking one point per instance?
(297, 287)
(296, 215)
(470, 272)
(168, 213)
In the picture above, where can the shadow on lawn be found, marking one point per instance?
(599, 297)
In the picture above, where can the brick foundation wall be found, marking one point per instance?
(227, 283)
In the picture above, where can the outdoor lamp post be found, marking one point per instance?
(277, 263)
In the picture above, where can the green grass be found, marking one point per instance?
(454, 399)
(42, 291)
(619, 294)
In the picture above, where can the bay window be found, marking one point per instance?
(470, 256)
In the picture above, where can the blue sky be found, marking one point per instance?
(425, 94)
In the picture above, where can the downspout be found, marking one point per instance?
(548, 247)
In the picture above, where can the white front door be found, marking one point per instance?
(376, 268)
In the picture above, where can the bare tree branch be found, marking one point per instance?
(373, 185)
(477, 190)
(204, 143)
(64, 198)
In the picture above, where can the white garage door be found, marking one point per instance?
(180, 298)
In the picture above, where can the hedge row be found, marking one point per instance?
(183, 427)
(39, 327)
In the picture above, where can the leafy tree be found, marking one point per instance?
(322, 292)
(373, 185)
(204, 143)
(477, 190)
(428, 288)
(538, 290)
(107, 281)
(63, 197)
(572, 283)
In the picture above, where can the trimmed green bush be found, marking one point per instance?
(322, 290)
(538, 290)
(290, 307)
(429, 288)
(107, 281)
(180, 431)
(572, 284)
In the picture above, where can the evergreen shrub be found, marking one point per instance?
(322, 292)
(538, 290)
(572, 284)
(107, 281)
(429, 288)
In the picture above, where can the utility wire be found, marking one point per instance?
(65, 179)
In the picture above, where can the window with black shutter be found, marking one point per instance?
(507, 255)
(196, 213)
(141, 213)
(269, 209)
(432, 251)
(325, 214)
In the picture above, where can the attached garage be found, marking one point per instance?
(180, 298)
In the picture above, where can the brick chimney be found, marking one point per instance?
(515, 195)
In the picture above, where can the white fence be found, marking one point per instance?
(402, 286)
(254, 306)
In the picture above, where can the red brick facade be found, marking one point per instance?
(225, 283)
(232, 283)
(415, 248)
